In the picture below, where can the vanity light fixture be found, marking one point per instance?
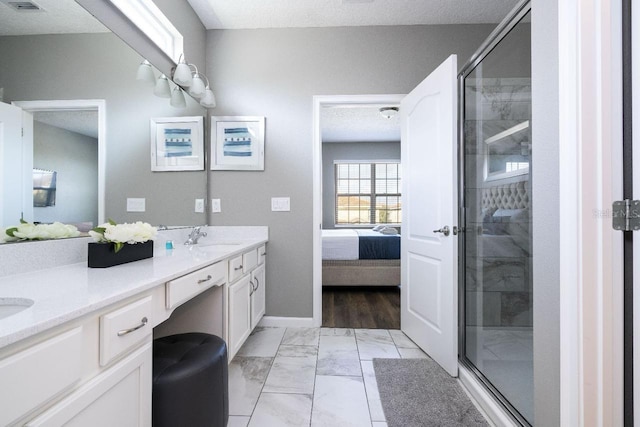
(389, 112)
(162, 88)
(177, 98)
(145, 73)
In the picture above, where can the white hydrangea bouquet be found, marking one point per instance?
(121, 234)
(30, 231)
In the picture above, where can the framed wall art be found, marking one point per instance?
(237, 143)
(177, 144)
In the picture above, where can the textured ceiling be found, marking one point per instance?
(57, 17)
(226, 14)
(82, 122)
(358, 124)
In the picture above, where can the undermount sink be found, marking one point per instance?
(11, 306)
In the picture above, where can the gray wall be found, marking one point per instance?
(545, 196)
(275, 73)
(348, 151)
(75, 159)
(101, 66)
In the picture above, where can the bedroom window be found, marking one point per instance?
(368, 193)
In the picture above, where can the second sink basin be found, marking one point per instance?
(11, 306)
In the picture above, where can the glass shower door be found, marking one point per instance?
(497, 285)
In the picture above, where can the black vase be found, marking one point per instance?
(102, 255)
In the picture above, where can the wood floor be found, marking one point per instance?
(361, 307)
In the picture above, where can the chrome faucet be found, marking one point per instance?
(195, 235)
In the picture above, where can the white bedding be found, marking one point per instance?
(340, 244)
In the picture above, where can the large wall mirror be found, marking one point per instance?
(61, 55)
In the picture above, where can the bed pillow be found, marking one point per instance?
(389, 231)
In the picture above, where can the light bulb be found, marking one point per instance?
(182, 74)
(208, 99)
(145, 73)
(162, 88)
(177, 98)
(197, 88)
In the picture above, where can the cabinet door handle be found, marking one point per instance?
(257, 284)
(264, 254)
(205, 280)
(238, 267)
(143, 322)
(252, 288)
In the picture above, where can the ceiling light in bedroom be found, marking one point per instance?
(389, 112)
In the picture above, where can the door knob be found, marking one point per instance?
(444, 230)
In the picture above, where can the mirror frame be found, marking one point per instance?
(98, 105)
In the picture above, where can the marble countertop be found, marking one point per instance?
(68, 292)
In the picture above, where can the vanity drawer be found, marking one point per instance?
(235, 268)
(186, 287)
(123, 328)
(262, 254)
(34, 376)
(249, 260)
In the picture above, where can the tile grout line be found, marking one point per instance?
(273, 359)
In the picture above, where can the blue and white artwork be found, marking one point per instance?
(178, 142)
(237, 142)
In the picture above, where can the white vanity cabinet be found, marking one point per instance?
(258, 295)
(96, 370)
(95, 367)
(119, 396)
(239, 314)
(246, 297)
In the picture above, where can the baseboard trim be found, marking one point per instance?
(287, 322)
(481, 397)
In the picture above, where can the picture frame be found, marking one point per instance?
(237, 143)
(177, 144)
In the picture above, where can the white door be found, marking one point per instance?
(429, 297)
(16, 164)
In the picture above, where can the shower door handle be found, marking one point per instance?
(444, 230)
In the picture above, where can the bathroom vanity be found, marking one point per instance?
(81, 354)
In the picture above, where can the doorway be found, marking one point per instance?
(350, 103)
(81, 118)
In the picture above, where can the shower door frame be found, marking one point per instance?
(501, 31)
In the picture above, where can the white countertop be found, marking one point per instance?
(68, 292)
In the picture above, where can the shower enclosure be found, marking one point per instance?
(496, 286)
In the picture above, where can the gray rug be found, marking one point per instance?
(419, 393)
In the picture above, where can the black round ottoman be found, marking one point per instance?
(190, 381)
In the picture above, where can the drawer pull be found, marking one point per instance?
(143, 322)
(205, 280)
(264, 254)
(238, 268)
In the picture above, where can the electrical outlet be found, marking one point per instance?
(280, 204)
(215, 206)
(199, 206)
(136, 204)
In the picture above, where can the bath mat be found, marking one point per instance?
(419, 393)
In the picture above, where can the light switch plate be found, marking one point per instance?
(136, 204)
(199, 208)
(215, 206)
(280, 204)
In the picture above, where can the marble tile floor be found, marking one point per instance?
(313, 377)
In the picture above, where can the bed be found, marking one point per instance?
(359, 257)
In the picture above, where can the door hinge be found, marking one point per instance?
(626, 215)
